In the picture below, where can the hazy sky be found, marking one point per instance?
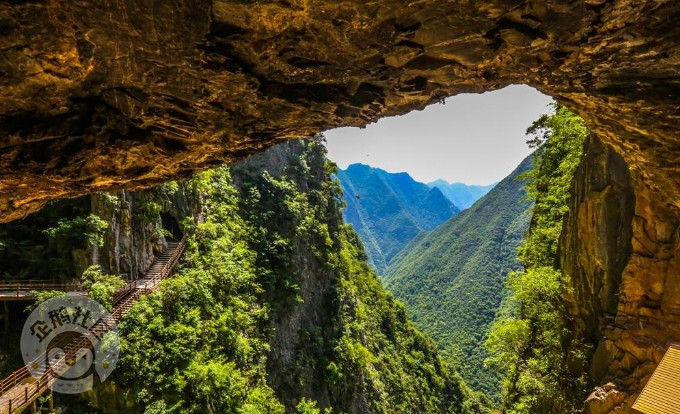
(474, 139)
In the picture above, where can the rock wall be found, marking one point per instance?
(296, 323)
(135, 235)
(596, 242)
(620, 249)
(98, 95)
(130, 244)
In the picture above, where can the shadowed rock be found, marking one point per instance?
(103, 95)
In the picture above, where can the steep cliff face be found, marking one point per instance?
(305, 317)
(619, 248)
(100, 95)
(273, 306)
(138, 225)
(292, 312)
(129, 245)
(597, 242)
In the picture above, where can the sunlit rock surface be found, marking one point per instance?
(620, 250)
(98, 95)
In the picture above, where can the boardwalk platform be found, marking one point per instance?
(23, 289)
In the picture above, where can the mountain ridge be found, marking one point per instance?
(460, 194)
(389, 209)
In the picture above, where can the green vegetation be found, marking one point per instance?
(275, 309)
(198, 337)
(309, 407)
(529, 344)
(149, 211)
(272, 274)
(41, 245)
(100, 286)
(70, 233)
(452, 278)
(41, 296)
(382, 352)
(388, 210)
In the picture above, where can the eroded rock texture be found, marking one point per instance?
(99, 95)
(621, 252)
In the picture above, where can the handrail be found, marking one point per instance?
(136, 287)
(122, 292)
(25, 288)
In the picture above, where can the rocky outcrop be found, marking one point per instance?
(620, 250)
(130, 246)
(135, 234)
(299, 321)
(103, 95)
(596, 245)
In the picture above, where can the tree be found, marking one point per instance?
(530, 344)
(100, 286)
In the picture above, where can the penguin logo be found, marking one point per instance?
(71, 340)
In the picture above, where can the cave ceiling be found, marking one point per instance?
(102, 94)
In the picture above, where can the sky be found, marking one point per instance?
(472, 138)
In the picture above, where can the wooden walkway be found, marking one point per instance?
(23, 289)
(20, 389)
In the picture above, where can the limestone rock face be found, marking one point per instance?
(596, 244)
(98, 95)
(605, 399)
(130, 246)
(314, 315)
(135, 236)
(620, 249)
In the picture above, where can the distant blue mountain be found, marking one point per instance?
(461, 195)
(388, 210)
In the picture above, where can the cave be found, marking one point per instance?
(171, 225)
(101, 96)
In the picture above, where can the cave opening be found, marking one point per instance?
(204, 85)
(171, 226)
(438, 200)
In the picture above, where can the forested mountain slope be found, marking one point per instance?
(388, 210)
(451, 280)
(461, 195)
(273, 308)
(311, 322)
